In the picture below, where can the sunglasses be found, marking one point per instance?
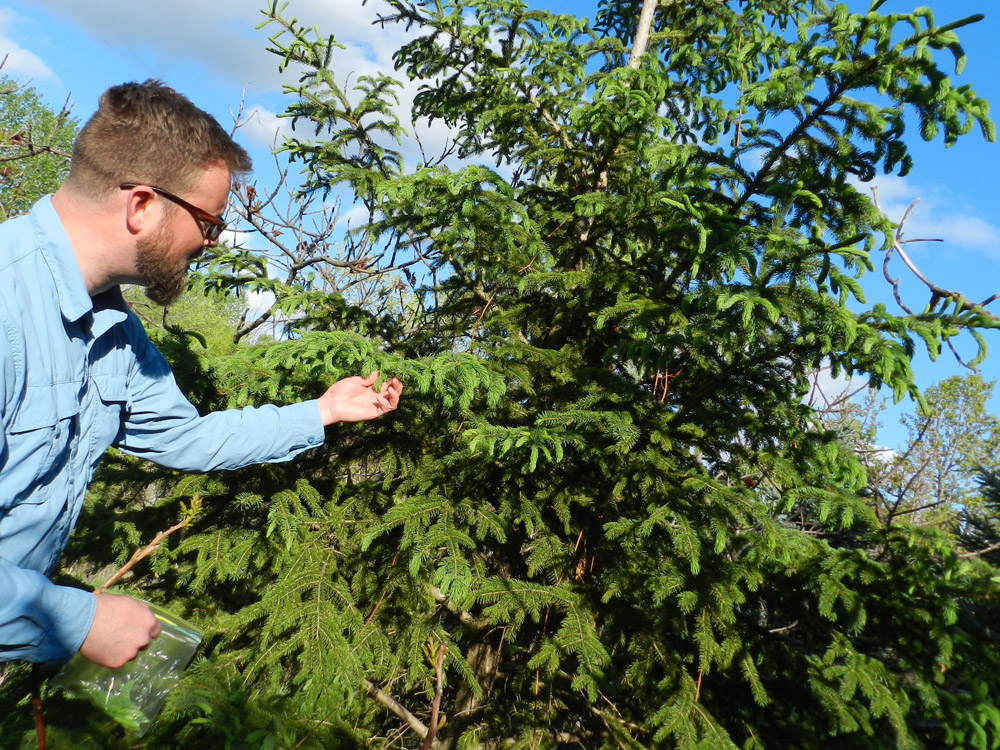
(211, 226)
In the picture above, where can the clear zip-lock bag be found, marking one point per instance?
(133, 694)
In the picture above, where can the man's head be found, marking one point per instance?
(174, 165)
(148, 133)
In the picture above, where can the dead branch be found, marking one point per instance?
(396, 708)
(980, 552)
(305, 246)
(432, 730)
(938, 294)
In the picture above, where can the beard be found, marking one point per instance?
(165, 277)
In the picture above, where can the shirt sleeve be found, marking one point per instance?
(39, 621)
(163, 426)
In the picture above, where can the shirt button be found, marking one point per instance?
(311, 440)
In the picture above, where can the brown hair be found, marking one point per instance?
(148, 133)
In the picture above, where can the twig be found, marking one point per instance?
(396, 708)
(483, 312)
(460, 426)
(144, 552)
(978, 553)
(784, 629)
(438, 692)
(375, 610)
(36, 703)
(619, 719)
(466, 618)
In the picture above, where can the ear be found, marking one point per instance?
(140, 209)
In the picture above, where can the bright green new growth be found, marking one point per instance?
(121, 708)
(602, 491)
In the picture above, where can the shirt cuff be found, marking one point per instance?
(308, 431)
(73, 614)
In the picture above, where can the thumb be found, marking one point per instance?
(370, 380)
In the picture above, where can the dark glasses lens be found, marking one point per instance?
(211, 230)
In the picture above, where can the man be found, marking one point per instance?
(148, 185)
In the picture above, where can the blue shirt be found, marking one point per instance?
(78, 374)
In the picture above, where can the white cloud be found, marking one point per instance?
(264, 128)
(216, 35)
(220, 35)
(937, 215)
(258, 303)
(18, 62)
(219, 39)
(354, 217)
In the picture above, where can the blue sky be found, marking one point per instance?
(211, 51)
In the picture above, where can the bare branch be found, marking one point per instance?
(642, 32)
(980, 552)
(144, 552)
(396, 708)
(938, 293)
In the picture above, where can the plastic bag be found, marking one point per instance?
(133, 694)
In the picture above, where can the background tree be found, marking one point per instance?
(35, 142)
(932, 478)
(291, 260)
(949, 446)
(980, 527)
(604, 514)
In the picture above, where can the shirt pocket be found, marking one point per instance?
(112, 391)
(40, 436)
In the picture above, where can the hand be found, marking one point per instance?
(355, 400)
(122, 627)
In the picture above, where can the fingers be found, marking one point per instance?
(388, 397)
(393, 390)
(121, 628)
(355, 399)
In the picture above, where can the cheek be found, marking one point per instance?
(182, 237)
(185, 247)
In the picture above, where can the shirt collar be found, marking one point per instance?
(53, 243)
(110, 309)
